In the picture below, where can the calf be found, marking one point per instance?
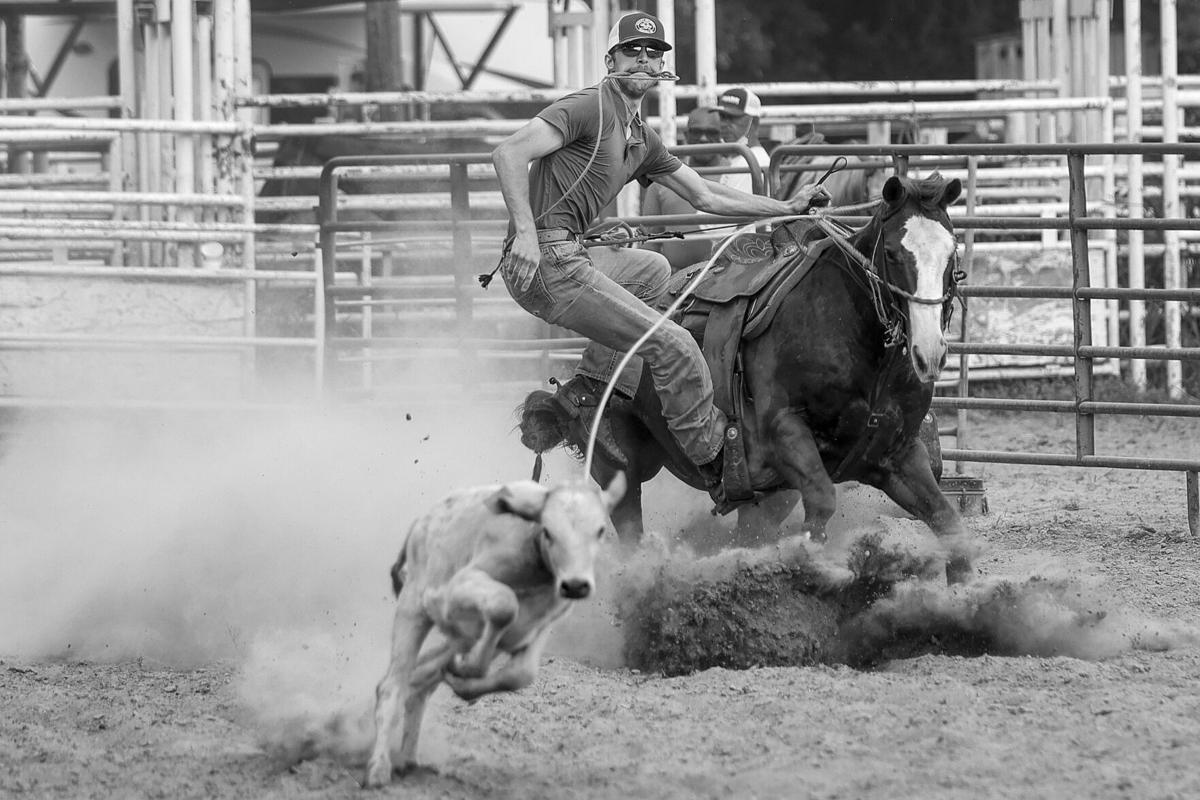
(492, 568)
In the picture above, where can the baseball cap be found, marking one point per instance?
(739, 102)
(704, 118)
(637, 26)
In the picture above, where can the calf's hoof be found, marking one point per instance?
(462, 687)
(379, 773)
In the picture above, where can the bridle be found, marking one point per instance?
(889, 312)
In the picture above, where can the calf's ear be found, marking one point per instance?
(615, 490)
(523, 498)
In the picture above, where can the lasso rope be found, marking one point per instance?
(486, 279)
(589, 449)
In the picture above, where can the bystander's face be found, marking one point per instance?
(734, 129)
(706, 131)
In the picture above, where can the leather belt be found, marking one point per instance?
(547, 235)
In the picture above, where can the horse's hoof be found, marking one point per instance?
(816, 537)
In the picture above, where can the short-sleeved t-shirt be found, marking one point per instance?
(578, 118)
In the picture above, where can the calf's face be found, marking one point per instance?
(572, 519)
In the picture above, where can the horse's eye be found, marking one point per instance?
(600, 533)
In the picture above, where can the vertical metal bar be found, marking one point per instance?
(1193, 503)
(319, 350)
(368, 319)
(1060, 53)
(205, 159)
(127, 84)
(460, 211)
(1085, 424)
(182, 87)
(1133, 177)
(964, 387)
(1172, 267)
(706, 52)
(666, 89)
(327, 213)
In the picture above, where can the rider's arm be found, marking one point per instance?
(717, 198)
(511, 158)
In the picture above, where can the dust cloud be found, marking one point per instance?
(263, 541)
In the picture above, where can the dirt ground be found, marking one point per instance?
(1123, 724)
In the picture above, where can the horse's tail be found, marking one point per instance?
(544, 421)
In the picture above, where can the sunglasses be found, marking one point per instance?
(632, 51)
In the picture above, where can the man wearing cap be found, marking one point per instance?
(556, 174)
(703, 127)
(740, 111)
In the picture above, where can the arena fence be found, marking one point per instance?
(402, 288)
(361, 286)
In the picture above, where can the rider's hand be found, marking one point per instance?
(522, 261)
(810, 195)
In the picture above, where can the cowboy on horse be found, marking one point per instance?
(583, 149)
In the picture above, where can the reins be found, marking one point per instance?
(877, 283)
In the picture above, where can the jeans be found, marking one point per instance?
(604, 294)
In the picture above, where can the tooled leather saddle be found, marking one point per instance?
(734, 303)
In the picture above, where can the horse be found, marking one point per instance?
(835, 389)
(847, 186)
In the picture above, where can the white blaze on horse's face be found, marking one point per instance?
(931, 246)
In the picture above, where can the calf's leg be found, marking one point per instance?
(409, 630)
(517, 673)
(477, 609)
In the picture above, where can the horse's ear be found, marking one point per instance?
(951, 192)
(526, 499)
(615, 490)
(893, 191)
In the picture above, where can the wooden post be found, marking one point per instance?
(384, 50)
(224, 108)
(706, 52)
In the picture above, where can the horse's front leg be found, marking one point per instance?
(912, 486)
(798, 460)
(761, 522)
(627, 513)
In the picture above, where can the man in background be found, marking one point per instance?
(703, 127)
(740, 111)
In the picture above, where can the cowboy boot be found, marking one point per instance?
(579, 398)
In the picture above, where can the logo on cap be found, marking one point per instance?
(731, 99)
(644, 25)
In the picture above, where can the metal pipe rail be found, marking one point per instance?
(92, 341)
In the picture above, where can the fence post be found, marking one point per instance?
(964, 386)
(460, 212)
(1193, 503)
(1085, 422)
